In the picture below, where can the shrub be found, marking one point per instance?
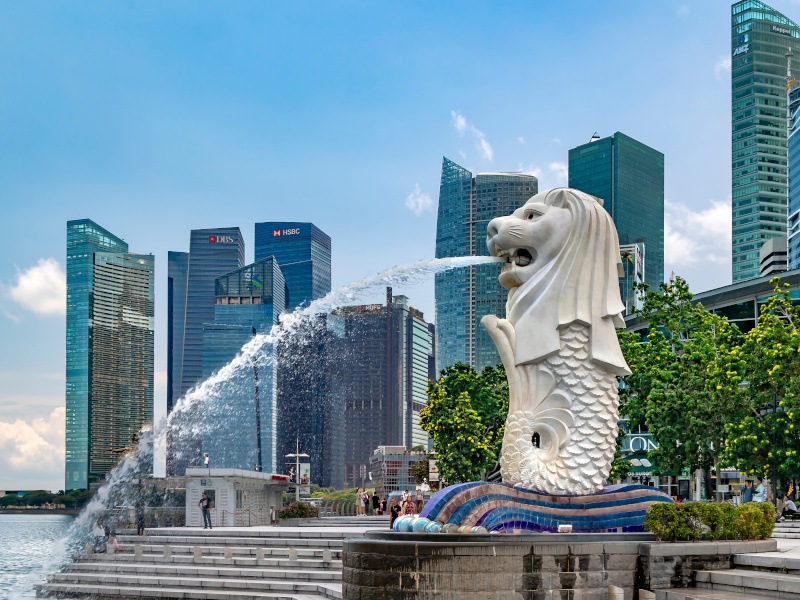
(694, 518)
(298, 510)
(665, 522)
(710, 521)
(726, 526)
(768, 521)
(748, 520)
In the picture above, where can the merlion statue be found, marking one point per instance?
(558, 342)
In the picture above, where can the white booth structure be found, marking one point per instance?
(240, 498)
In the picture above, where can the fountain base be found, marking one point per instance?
(503, 508)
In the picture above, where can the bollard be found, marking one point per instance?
(198, 552)
(327, 556)
(615, 593)
(167, 552)
(88, 549)
(645, 595)
(228, 553)
(292, 553)
(138, 551)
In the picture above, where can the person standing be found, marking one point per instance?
(140, 518)
(419, 500)
(99, 534)
(394, 512)
(747, 491)
(760, 494)
(376, 503)
(205, 507)
(408, 508)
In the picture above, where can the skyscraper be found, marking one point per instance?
(793, 131)
(760, 37)
(463, 296)
(381, 360)
(303, 252)
(177, 273)
(242, 431)
(629, 177)
(109, 350)
(212, 253)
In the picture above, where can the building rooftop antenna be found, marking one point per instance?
(594, 137)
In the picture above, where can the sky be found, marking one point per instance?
(153, 119)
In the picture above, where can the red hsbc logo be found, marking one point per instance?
(280, 232)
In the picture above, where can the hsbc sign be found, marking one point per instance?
(220, 239)
(282, 232)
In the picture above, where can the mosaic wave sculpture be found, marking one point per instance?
(503, 508)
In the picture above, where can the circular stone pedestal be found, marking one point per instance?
(395, 566)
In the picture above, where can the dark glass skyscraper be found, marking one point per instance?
(248, 301)
(760, 37)
(793, 232)
(109, 350)
(212, 253)
(629, 177)
(464, 296)
(303, 252)
(178, 273)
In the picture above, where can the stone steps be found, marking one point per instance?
(105, 591)
(308, 561)
(130, 583)
(768, 561)
(702, 594)
(756, 583)
(216, 570)
(190, 540)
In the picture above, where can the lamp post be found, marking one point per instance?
(297, 456)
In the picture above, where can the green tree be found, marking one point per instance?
(465, 417)
(764, 373)
(676, 390)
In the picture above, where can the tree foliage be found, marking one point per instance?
(764, 374)
(675, 389)
(465, 417)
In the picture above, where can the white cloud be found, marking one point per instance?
(560, 170)
(462, 126)
(32, 453)
(692, 237)
(723, 66)
(418, 201)
(521, 140)
(531, 170)
(41, 289)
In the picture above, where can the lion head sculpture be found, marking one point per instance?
(564, 266)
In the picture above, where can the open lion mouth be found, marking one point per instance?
(518, 256)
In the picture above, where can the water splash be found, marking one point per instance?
(122, 483)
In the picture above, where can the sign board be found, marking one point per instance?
(433, 470)
(305, 479)
(723, 488)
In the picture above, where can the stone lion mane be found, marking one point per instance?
(580, 285)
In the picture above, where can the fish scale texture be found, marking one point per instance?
(582, 464)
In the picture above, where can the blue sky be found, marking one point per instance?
(157, 118)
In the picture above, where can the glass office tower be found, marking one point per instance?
(212, 253)
(629, 177)
(248, 301)
(463, 296)
(303, 252)
(760, 37)
(793, 233)
(109, 350)
(177, 273)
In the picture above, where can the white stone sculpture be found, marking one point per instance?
(558, 341)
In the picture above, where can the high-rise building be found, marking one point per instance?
(177, 272)
(242, 430)
(793, 132)
(109, 350)
(212, 253)
(463, 296)
(382, 359)
(303, 252)
(629, 177)
(760, 37)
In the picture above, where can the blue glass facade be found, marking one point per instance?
(303, 252)
(248, 301)
(109, 349)
(177, 273)
(793, 232)
(212, 253)
(760, 36)
(629, 177)
(464, 296)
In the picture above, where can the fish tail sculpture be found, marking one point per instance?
(558, 342)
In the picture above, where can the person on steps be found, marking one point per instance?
(205, 507)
